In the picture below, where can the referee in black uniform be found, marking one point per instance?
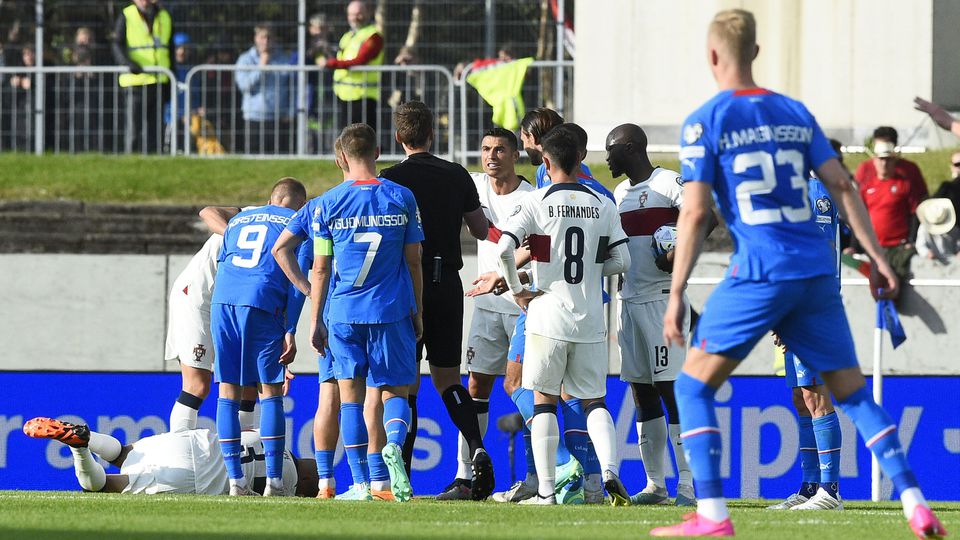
(446, 196)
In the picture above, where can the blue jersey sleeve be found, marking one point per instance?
(698, 154)
(414, 231)
(295, 298)
(322, 229)
(542, 178)
(300, 222)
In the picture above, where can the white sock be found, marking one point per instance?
(593, 482)
(276, 483)
(182, 418)
(380, 485)
(464, 463)
(653, 447)
(105, 446)
(713, 509)
(603, 434)
(89, 472)
(248, 420)
(911, 499)
(327, 483)
(683, 468)
(240, 482)
(545, 432)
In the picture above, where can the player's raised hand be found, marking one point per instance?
(937, 113)
(489, 282)
(673, 321)
(884, 282)
(318, 338)
(289, 353)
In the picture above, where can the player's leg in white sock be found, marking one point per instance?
(104, 446)
(545, 434)
(248, 406)
(89, 472)
(603, 434)
(196, 387)
(651, 433)
(685, 476)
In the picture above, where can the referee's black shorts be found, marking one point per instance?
(442, 319)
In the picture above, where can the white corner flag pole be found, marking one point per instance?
(878, 398)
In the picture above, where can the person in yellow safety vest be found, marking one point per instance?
(358, 92)
(144, 33)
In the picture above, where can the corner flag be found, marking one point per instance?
(889, 320)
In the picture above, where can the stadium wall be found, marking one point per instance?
(856, 64)
(68, 312)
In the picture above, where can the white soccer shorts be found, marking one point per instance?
(181, 462)
(581, 368)
(489, 341)
(188, 332)
(644, 357)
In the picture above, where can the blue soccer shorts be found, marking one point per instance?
(807, 314)
(796, 374)
(247, 342)
(518, 341)
(386, 353)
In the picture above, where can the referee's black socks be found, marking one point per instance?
(411, 434)
(463, 412)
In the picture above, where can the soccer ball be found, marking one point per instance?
(664, 239)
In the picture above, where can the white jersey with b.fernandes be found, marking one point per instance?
(497, 209)
(571, 230)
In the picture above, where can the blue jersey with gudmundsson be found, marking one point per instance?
(247, 273)
(756, 148)
(370, 222)
(543, 179)
(827, 218)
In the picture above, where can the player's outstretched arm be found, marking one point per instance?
(320, 280)
(849, 204)
(412, 253)
(937, 113)
(216, 218)
(692, 225)
(284, 251)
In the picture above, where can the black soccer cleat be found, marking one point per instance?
(483, 483)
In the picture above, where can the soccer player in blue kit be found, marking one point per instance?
(754, 149)
(254, 316)
(371, 226)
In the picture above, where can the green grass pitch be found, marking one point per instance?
(39, 515)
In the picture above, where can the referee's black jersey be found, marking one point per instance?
(444, 192)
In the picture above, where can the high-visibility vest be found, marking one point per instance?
(353, 85)
(145, 47)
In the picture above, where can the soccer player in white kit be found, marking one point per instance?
(575, 238)
(648, 199)
(186, 461)
(188, 326)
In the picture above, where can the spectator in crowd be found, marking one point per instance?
(181, 43)
(83, 38)
(891, 188)
(951, 188)
(938, 237)
(320, 39)
(144, 39)
(504, 54)
(267, 102)
(940, 116)
(321, 44)
(21, 101)
(406, 86)
(358, 92)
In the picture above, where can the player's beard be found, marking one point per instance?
(536, 156)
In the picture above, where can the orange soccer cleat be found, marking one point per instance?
(383, 495)
(74, 435)
(327, 493)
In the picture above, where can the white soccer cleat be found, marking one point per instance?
(242, 491)
(795, 499)
(519, 491)
(538, 500)
(821, 500)
(269, 491)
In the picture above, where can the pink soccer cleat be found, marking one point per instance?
(925, 524)
(696, 525)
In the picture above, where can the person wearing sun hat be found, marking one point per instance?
(938, 236)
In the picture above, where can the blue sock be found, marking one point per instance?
(272, 433)
(880, 434)
(228, 428)
(809, 464)
(528, 448)
(701, 435)
(396, 419)
(378, 468)
(354, 433)
(523, 399)
(324, 463)
(827, 430)
(575, 437)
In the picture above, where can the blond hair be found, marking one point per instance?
(736, 30)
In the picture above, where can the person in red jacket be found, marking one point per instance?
(891, 188)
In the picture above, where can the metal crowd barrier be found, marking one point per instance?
(74, 109)
(291, 111)
(475, 113)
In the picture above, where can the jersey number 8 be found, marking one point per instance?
(573, 254)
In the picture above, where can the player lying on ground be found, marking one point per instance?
(372, 227)
(575, 239)
(186, 461)
(755, 149)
